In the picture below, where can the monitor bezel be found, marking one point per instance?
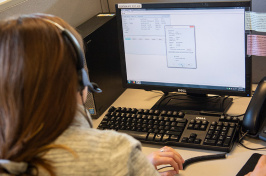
(167, 5)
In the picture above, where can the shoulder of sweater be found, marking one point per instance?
(81, 135)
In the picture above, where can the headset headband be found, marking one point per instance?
(82, 74)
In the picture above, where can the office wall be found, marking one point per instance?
(113, 2)
(74, 12)
(258, 63)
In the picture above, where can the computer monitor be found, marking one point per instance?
(194, 48)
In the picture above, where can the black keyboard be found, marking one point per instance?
(174, 128)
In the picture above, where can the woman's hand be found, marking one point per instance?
(167, 155)
(260, 169)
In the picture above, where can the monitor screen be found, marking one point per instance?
(185, 47)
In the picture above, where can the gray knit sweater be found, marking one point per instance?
(100, 153)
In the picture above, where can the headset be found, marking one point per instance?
(83, 80)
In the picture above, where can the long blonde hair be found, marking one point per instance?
(38, 86)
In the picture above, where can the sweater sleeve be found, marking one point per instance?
(126, 158)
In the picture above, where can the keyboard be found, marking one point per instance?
(174, 128)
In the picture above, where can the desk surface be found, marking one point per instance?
(238, 156)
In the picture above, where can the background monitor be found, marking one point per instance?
(195, 48)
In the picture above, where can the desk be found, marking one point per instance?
(230, 166)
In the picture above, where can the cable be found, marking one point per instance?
(85, 110)
(101, 6)
(242, 137)
(200, 158)
(222, 104)
(261, 148)
(108, 6)
(238, 115)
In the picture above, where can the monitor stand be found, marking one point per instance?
(197, 103)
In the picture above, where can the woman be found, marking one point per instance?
(43, 130)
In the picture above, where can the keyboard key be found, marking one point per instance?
(185, 139)
(155, 118)
(163, 113)
(197, 141)
(227, 141)
(203, 127)
(111, 109)
(156, 112)
(220, 124)
(181, 125)
(224, 128)
(209, 141)
(226, 124)
(158, 137)
(214, 123)
(219, 143)
(235, 119)
(176, 129)
(190, 140)
(228, 118)
(150, 122)
(223, 133)
(212, 127)
(208, 136)
(140, 111)
(215, 137)
(216, 132)
(167, 128)
(167, 123)
(196, 127)
(161, 131)
(192, 121)
(190, 126)
(198, 121)
(181, 114)
(150, 137)
(173, 124)
(230, 132)
(173, 133)
(166, 119)
(218, 128)
(146, 111)
(221, 138)
(232, 124)
(151, 111)
(175, 113)
(169, 113)
(204, 122)
(193, 135)
(222, 118)
(174, 138)
(165, 137)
